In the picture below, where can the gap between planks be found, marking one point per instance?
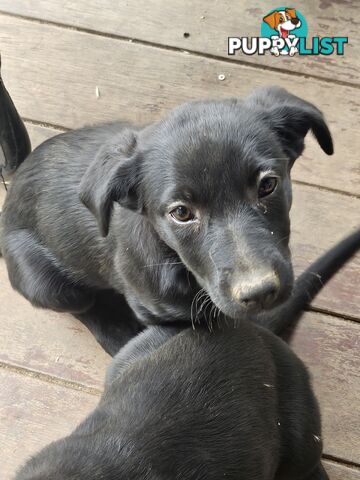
(326, 189)
(341, 461)
(194, 53)
(330, 313)
(44, 377)
(58, 128)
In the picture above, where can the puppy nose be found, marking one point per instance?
(294, 21)
(259, 291)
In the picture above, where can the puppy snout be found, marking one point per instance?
(295, 21)
(258, 291)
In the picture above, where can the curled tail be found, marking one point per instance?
(14, 139)
(309, 284)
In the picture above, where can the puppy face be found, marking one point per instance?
(283, 21)
(217, 191)
(214, 180)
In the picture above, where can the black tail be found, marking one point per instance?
(310, 283)
(14, 139)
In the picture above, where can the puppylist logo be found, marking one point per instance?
(284, 31)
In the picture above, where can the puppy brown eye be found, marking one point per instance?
(182, 214)
(267, 186)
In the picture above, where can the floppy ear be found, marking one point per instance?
(271, 19)
(291, 118)
(113, 176)
(291, 12)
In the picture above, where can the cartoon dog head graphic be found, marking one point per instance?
(283, 21)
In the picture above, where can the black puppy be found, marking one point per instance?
(191, 211)
(234, 405)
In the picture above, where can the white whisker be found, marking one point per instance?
(160, 264)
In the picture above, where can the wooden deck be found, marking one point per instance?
(55, 56)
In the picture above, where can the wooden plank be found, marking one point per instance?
(52, 81)
(38, 133)
(330, 348)
(33, 414)
(337, 471)
(209, 25)
(319, 220)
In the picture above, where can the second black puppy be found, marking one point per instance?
(195, 204)
(235, 405)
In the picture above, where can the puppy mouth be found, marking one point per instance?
(234, 311)
(284, 33)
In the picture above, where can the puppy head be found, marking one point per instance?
(283, 21)
(213, 178)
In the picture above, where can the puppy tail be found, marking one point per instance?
(14, 139)
(310, 283)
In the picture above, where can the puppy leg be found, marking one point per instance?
(38, 275)
(111, 321)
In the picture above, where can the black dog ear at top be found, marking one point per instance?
(112, 177)
(291, 118)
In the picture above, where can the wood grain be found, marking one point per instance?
(33, 414)
(330, 348)
(319, 220)
(209, 25)
(337, 471)
(52, 81)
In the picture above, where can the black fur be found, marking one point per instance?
(236, 404)
(14, 139)
(207, 155)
